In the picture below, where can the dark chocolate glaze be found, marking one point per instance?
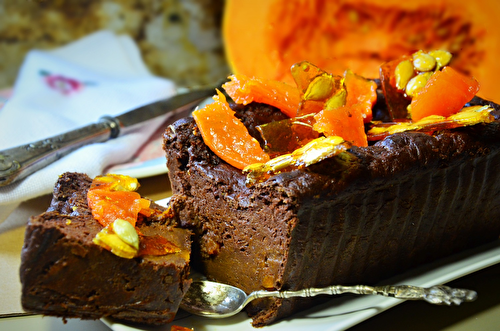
(363, 216)
(64, 274)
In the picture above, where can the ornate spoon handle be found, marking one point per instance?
(439, 295)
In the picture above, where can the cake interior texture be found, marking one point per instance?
(63, 273)
(357, 218)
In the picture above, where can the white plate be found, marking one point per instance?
(141, 169)
(49, 323)
(344, 311)
(148, 161)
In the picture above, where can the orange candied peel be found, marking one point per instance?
(345, 121)
(226, 136)
(113, 196)
(116, 206)
(421, 91)
(180, 328)
(444, 94)
(362, 92)
(245, 90)
(108, 205)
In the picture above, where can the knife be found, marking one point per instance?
(18, 162)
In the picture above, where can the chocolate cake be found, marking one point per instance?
(63, 273)
(356, 218)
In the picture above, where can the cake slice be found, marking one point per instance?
(64, 273)
(355, 218)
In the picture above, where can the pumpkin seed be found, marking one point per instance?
(112, 242)
(119, 182)
(423, 61)
(126, 232)
(417, 83)
(313, 152)
(442, 57)
(403, 72)
(337, 100)
(467, 116)
(319, 149)
(320, 88)
(473, 115)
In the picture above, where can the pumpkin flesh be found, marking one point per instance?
(265, 38)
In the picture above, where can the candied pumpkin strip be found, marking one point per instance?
(446, 93)
(244, 90)
(108, 205)
(226, 136)
(360, 91)
(112, 196)
(115, 205)
(316, 91)
(340, 105)
(346, 122)
(180, 328)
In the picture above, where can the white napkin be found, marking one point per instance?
(63, 89)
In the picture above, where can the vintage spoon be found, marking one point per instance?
(216, 300)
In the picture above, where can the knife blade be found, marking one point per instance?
(18, 162)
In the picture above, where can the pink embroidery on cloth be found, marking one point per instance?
(5, 96)
(63, 84)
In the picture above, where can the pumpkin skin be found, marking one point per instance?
(264, 38)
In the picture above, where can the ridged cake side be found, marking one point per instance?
(364, 237)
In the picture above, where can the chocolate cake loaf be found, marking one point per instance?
(364, 215)
(63, 273)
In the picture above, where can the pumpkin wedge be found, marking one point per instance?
(264, 38)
